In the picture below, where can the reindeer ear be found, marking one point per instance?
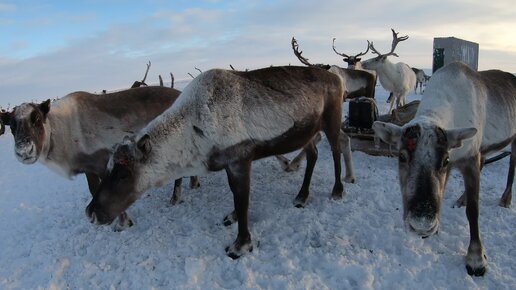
(45, 107)
(388, 132)
(5, 118)
(144, 144)
(456, 136)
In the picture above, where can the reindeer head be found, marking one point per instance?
(424, 166)
(376, 62)
(27, 122)
(353, 60)
(118, 189)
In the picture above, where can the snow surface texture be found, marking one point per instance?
(46, 242)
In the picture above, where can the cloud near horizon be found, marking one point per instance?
(246, 34)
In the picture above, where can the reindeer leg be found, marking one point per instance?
(391, 106)
(476, 262)
(176, 195)
(345, 146)
(283, 161)
(296, 162)
(311, 158)
(506, 198)
(332, 134)
(389, 99)
(194, 182)
(463, 200)
(239, 181)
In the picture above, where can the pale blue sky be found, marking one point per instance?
(51, 48)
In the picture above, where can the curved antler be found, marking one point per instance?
(347, 56)
(341, 54)
(304, 60)
(298, 53)
(395, 41)
(363, 53)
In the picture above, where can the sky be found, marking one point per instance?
(52, 48)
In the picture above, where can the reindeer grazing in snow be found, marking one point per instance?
(224, 120)
(396, 78)
(75, 134)
(421, 78)
(463, 116)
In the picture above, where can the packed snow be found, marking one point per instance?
(46, 241)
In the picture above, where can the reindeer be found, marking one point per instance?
(355, 84)
(396, 78)
(354, 61)
(224, 120)
(463, 116)
(75, 134)
(421, 78)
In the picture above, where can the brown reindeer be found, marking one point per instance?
(76, 133)
(224, 120)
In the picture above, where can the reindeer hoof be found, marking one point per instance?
(338, 191)
(123, 225)
(461, 201)
(349, 179)
(234, 253)
(476, 264)
(476, 272)
(175, 200)
(505, 202)
(336, 196)
(299, 202)
(293, 167)
(230, 219)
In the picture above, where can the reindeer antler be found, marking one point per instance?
(345, 55)
(304, 60)
(373, 50)
(298, 53)
(395, 41)
(341, 54)
(146, 72)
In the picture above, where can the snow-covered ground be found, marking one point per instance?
(46, 242)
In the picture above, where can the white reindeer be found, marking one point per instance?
(421, 79)
(397, 78)
(463, 116)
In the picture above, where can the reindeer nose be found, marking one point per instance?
(423, 226)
